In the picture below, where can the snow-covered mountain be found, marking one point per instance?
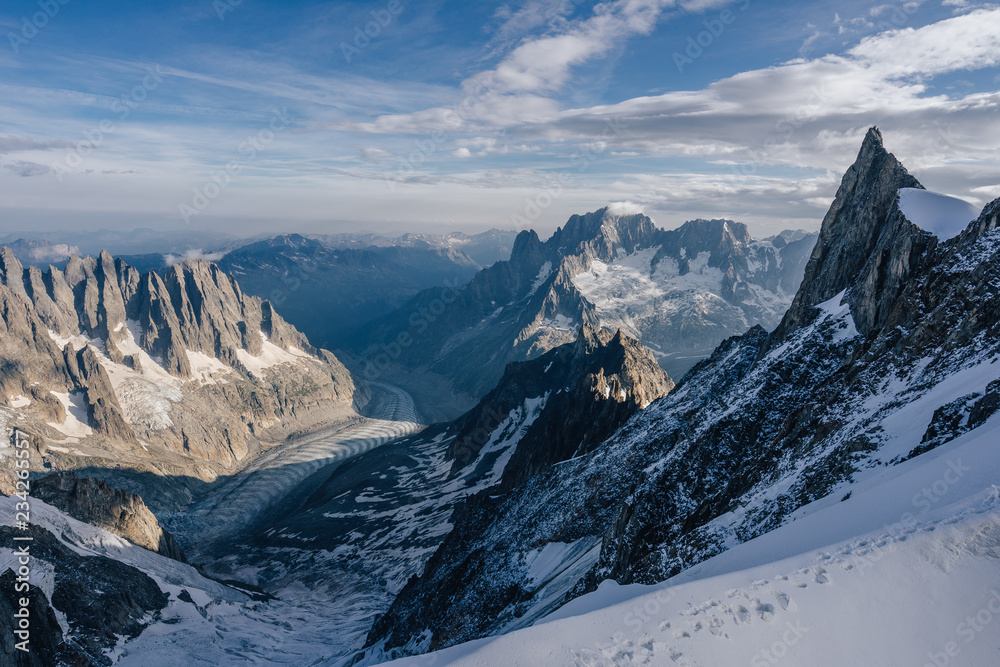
(836, 477)
(485, 248)
(680, 292)
(359, 534)
(158, 381)
(687, 291)
(888, 351)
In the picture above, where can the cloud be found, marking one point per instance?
(748, 130)
(193, 255)
(809, 41)
(373, 154)
(25, 168)
(10, 144)
(519, 88)
(797, 112)
(514, 25)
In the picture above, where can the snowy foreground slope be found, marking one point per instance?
(905, 571)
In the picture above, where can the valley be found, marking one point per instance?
(710, 428)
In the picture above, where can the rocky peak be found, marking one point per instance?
(591, 386)
(119, 346)
(603, 232)
(866, 245)
(525, 243)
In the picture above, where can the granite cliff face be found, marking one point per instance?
(120, 512)
(865, 243)
(180, 375)
(678, 291)
(887, 352)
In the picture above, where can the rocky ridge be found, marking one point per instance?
(770, 422)
(378, 518)
(180, 375)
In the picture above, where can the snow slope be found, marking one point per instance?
(941, 215)
(906, 565)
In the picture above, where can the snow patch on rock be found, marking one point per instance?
(942, 215)
(272, 355)
(76, 424)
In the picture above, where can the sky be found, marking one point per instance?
(257, 116)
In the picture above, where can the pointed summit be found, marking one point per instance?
(866, 245)
(873, 140)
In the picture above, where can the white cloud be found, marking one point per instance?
(193, 255)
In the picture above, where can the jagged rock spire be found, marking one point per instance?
(865, 245)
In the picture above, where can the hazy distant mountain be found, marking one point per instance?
(42, 253)
(117, 242)
(485, 248)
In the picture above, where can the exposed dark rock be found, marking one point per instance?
(95, 502)
(45, 645)
(102, 599)
(865, 244)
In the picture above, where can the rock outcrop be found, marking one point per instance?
(865, 243)
(102, 599)
(591, 387)
(120, 512)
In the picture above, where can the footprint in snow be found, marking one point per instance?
(821, 577)
(765, 611)
(782, 599)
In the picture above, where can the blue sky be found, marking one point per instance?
(260, 116)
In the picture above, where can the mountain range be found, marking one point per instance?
(571, 503)
(679, 291)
